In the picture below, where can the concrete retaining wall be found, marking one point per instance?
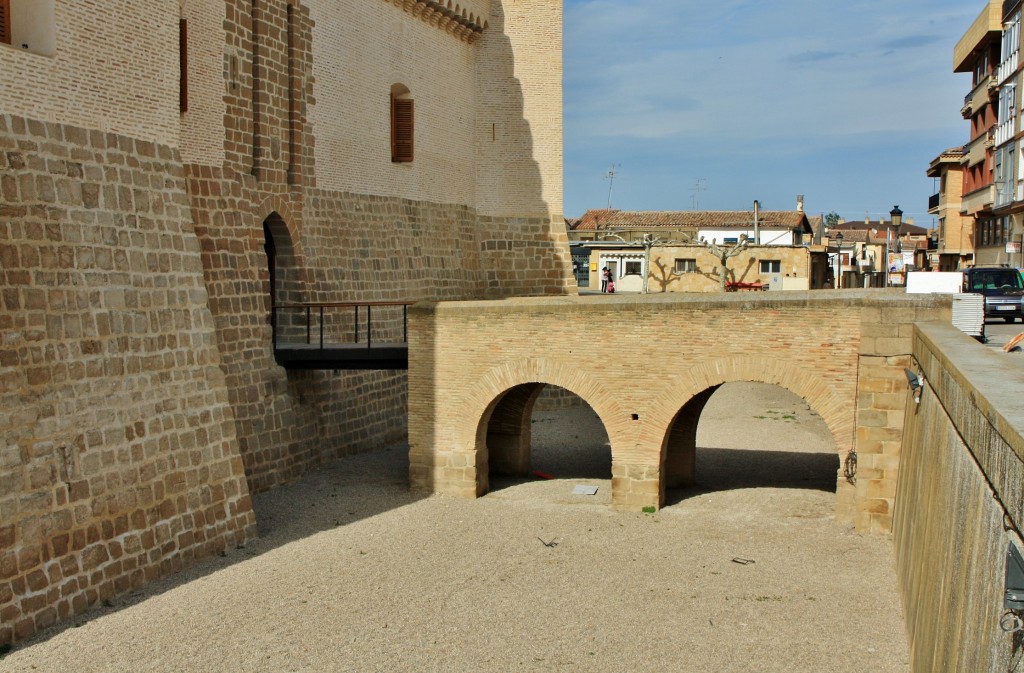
(958, 502)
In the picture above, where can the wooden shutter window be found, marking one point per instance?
(401, 130)
(182, 65)
(5, 21)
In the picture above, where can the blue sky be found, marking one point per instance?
(843, 102)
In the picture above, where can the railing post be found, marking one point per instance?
(356, 333)
(321, 328)
(309, 327)
(405, 323)
(369, 325)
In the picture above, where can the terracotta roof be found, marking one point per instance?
(905, 229)
(946, 159)
(689, 219)
(877, 238)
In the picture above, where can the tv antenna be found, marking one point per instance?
(610, 177)
(699, 185)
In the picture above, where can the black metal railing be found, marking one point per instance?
(341, 325)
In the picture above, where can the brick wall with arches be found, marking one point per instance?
(647, 366)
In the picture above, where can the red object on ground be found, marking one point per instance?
(541, 475)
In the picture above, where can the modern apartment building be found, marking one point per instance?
(956, 231)
(978, 52)
(999, 240)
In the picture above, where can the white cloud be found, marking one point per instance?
(760, 72)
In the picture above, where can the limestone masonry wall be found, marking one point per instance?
(959, 503)
(119, 461)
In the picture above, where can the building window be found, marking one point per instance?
(402, 125)
(686, 266)
(981, 68)
(29, 25)
(5, 21)
(182, 65)
(771, 266)
(633, 268)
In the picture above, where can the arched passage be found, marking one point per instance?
(743, 435)
(691, 392)
(505, 398)
(284, 284)
(509, 448)
(282, 262)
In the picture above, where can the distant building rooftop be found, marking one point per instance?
(689, 219)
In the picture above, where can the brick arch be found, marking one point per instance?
(275, 205)
(689, 393)
(510, 383)
(817, 391)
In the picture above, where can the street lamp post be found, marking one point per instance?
(839, 261)
(896, 220)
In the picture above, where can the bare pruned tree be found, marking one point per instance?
(724, 254)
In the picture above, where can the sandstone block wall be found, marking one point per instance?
(958, 503)
(118, 456)
(143, 403)
(348, 224)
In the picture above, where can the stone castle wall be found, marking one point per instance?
(118, 460)
(142, 401)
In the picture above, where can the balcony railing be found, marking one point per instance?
(351, 335)
(933, 202)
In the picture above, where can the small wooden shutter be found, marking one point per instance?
(5, 21)
(182, 65)
(401, 130)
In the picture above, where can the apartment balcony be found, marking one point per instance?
(933, 204)
(1008, 67)
(979, 96)
(978, 200)
(1004, 132)
(976, 150)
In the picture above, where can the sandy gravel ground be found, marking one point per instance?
(352, 573)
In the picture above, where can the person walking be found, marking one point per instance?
(606, 276)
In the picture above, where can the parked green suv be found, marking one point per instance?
(1002, 287)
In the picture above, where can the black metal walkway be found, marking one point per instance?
(334, 336)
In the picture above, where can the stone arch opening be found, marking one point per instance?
(284, 285)
(539, 431)
(747, 434)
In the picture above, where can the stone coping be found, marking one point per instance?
(871, 298)
(992, 380)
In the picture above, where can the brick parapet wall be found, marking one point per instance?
(119, 461)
